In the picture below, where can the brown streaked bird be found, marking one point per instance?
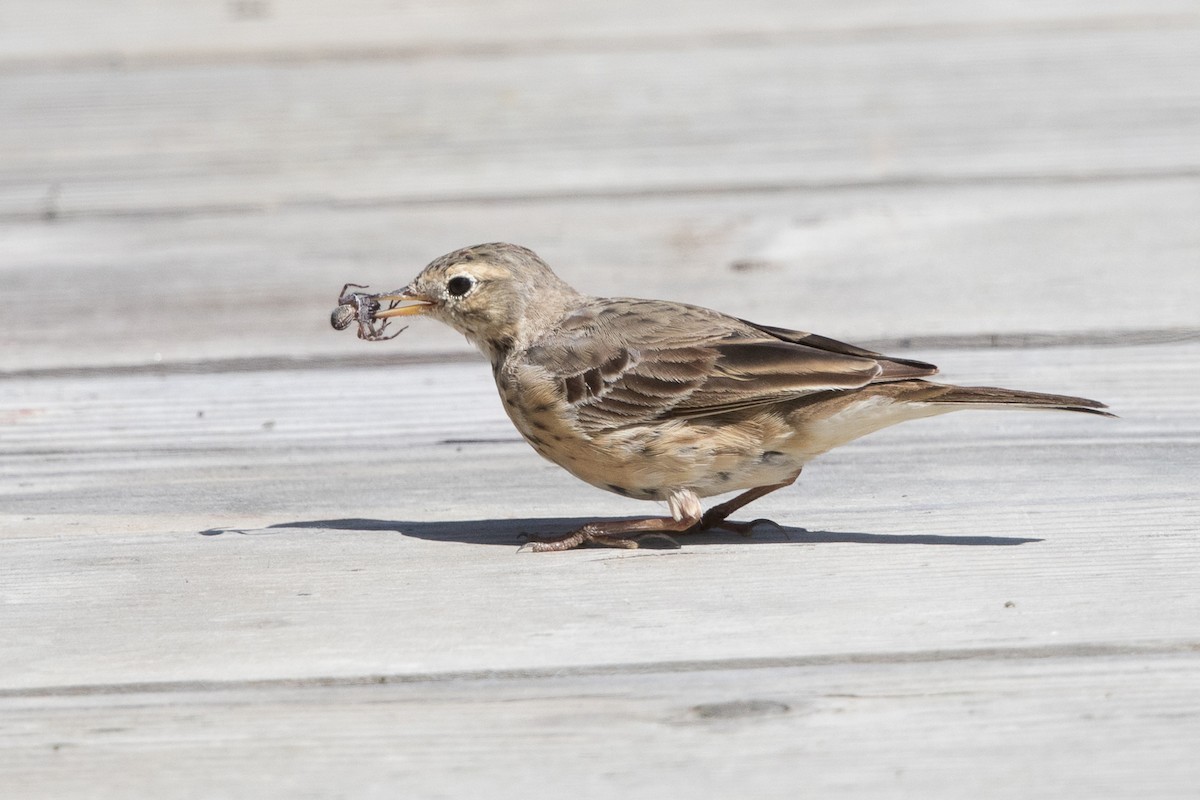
(658, 400)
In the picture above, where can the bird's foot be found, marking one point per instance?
(593, 534)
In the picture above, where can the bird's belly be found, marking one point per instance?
(647, 462)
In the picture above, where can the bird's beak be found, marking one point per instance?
(411, 304)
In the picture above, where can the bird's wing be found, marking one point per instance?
(893, 368)
(623, 362)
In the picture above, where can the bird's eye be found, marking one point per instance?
(459, 285)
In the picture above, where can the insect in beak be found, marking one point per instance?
(366, 309)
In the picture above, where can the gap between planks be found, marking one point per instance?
(1039, 652)
(51, 213)
(970, 341)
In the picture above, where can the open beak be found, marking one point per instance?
(410, 304)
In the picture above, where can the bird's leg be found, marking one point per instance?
(717, 516)
(612, 533)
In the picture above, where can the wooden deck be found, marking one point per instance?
(244, 556)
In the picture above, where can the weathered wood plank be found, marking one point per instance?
(303, 582)
(1043, 726)
(120, 31)
(1052, 105)
(861, 264)
(374, 499)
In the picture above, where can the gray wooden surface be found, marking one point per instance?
(242, 555)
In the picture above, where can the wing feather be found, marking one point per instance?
(621, 362)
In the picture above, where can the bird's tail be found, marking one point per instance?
(988, 396)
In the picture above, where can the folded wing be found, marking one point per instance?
(626, 362)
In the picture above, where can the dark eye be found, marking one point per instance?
(459, 285)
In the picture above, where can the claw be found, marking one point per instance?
(545, 544)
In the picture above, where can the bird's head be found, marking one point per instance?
(498, 295)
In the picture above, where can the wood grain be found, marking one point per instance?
(1044, 726)
(302, 501)
(66, 33)
(242, 555)
(237, 138)
(1106, 261)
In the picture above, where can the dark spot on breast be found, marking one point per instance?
(771, 456)
(541, 426)
(621, 490)
(650, 493)
(724, 477)
(535, 440)
(541, 408)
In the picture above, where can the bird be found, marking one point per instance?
(665, 401)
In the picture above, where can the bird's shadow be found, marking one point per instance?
(510, 533)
